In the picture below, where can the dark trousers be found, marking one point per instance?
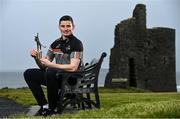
(37, 77)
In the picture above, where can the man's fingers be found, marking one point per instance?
(34, 52)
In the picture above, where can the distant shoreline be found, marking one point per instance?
(14, 79)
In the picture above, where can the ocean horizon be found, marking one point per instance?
(15, 79)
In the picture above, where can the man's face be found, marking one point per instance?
(66, 28)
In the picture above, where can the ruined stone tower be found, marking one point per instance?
(141, 57)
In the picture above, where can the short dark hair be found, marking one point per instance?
(66, 18)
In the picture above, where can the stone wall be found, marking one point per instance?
(141, 57)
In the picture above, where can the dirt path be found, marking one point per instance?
(9, 107)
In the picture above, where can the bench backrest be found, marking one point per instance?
(92, 71)
(87, 79)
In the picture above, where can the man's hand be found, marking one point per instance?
(34, 52)
(45, 61)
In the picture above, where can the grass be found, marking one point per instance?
(115, 103)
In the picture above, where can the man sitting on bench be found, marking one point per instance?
(67, 51)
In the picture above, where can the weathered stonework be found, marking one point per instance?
(141, 57)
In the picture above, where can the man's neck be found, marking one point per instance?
(65, 37)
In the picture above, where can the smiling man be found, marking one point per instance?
(67, 52)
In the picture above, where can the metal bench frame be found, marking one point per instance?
(85, 82)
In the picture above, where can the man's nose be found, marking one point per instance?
(65, 28)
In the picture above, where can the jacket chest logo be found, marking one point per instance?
(68, 47)
(61, 49)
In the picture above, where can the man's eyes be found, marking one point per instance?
(65, 26)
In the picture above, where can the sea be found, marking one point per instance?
(15, 79)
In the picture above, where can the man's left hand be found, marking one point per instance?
(44, 61)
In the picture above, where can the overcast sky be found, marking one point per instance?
(95, 21)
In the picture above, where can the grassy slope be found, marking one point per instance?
(116, 103)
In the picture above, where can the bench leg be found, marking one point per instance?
(97, 99)
(89, 98)
(60, 106)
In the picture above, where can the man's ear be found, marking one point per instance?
(73, 26)
(59, 27)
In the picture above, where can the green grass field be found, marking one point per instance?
(115, 103)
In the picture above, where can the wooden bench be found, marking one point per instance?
(76, 87)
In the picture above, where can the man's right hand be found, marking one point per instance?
(34, 52)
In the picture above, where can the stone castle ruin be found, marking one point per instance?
(142, 57)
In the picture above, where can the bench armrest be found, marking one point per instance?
(77, 74)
